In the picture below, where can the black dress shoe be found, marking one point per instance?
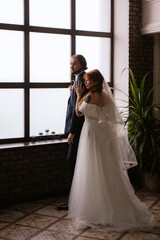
(63, 207)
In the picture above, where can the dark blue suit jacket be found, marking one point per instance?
(73, 123)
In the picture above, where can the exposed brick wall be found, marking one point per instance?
(140, 59)
(140, 46)
(33, 172)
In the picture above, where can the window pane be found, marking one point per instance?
(12, 113)
(49, 13)
(11, 56)
(11, 11)
(97, 53)
(49, 57)
(48, 110)
(93, 15)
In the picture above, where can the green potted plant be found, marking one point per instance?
(144, 131)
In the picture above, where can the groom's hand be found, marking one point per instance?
(70, 138)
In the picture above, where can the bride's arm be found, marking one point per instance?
(88, 98)
(93, 98)
(79, 91)
(78, 113)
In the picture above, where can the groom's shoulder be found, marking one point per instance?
(80, 77)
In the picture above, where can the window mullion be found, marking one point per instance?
(73, 26)
(26, 71)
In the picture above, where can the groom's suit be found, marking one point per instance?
(73, 125)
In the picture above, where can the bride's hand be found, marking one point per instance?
(79, 89)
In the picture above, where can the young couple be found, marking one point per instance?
(99, 155)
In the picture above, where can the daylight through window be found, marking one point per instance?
(37, 39)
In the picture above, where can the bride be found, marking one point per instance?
(101, 195)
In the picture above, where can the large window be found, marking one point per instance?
(37, 39)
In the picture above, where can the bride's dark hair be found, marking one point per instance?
(97, 77)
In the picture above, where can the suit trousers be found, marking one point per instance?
(72, 155)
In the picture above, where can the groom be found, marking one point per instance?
(73, 123)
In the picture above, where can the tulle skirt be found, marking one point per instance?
(101, 195)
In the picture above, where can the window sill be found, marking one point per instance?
(32, 144)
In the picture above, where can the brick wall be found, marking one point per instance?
(33, 172)
(140, 46)
(140, 59)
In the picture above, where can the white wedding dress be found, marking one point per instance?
(101, 195)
